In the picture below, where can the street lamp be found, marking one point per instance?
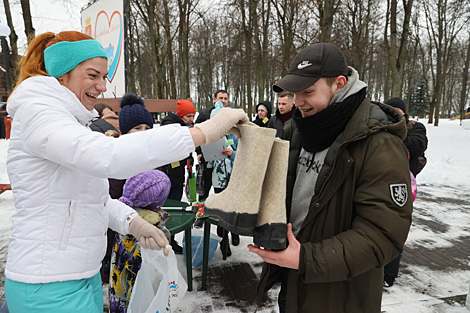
(5, 32)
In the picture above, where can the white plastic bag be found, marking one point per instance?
(159, 286)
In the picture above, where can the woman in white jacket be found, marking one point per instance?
(58, 170)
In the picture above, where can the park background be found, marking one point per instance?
(415, 49)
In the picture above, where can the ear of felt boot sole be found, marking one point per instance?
(238, 205)
(271, 236)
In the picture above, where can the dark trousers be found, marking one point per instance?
(176, 193)
(106, 262)
(282, 298)
(207, 183)
(220, 229)
(391, 269)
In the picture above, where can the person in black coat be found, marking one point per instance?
(101, 125)
(264, 109)
(184, 116)
(281, 120)
(416, 142)
(219, 96)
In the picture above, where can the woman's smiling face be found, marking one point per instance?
(87, 81)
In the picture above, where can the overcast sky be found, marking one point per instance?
(48, 15)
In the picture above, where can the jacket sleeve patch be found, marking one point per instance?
(399, 194)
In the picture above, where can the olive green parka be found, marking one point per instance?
(358, 219)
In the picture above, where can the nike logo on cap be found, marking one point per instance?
(304, 64)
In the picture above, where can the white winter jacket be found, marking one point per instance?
(58, 170)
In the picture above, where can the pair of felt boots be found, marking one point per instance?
(253, 204)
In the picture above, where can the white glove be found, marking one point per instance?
(149, 236)
(222, 123)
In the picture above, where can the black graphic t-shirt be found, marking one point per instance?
(308, 167)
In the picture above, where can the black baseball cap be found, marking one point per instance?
(312, 63)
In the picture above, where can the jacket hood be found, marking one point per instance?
(372, 117)
(353, 85)
(53, 94)
(268, 105)
(112, 118)
(110, 115)
(172, 118)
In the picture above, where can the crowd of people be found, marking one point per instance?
(85, 178)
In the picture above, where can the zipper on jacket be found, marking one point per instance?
(340, 149)
(66, 230)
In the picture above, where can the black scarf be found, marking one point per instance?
(319, 131)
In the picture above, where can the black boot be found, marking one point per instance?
(220, 232)
(198, 223)
(235, 239)
(388, 281)
(222, 248)
(175, 246)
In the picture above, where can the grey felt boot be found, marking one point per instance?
(237, 206)
(271, 226)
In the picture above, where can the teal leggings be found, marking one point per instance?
(77, 296)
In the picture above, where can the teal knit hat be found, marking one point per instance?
(64, 56)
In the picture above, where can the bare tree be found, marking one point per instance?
(397, 55)
(28, 22)
(186, 8)
(463, 90)
(13, 45)
(247, 10)
(326, 10)
(131, 56)
(443, 23)
(286, 11)
(147, 13)
(169, 49)
(261, 36)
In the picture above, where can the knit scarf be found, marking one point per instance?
(319, 131)
(286, 116)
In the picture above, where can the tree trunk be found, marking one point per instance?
(131, 67)
(28, 22)
(149, 17)
(387, 52)
(403, 50)
(393, 47)
(326, 10)
(169, 50)
(183, 47)
(247, 26)
(262, 45)
(463, 91)
(13, 60)
(286, 11)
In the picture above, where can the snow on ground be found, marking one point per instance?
(442, 185)
(448, 155)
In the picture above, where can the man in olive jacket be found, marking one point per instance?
(348, 191)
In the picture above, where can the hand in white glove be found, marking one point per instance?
(149, 236)
(222, 123)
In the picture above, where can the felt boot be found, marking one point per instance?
(271, 226)
(237, 206)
